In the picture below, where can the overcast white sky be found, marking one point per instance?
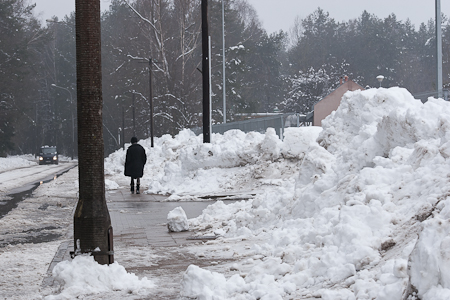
(280, 14)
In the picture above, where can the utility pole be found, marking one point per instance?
(36, 150)
(134, 115)
(73, 122)
(223, 66)
(92, 223)
(205, 74)
(123, 127)
(152, 123)
(439, 47)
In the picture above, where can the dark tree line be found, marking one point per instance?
(362, 49)
(22, 41)
(289, 71)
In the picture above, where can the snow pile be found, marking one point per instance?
(358, 210)
(111, 185)
(202, 284)
(347, 230)
(177, 220)
(184, 166)
(83, 276)
(15, 162)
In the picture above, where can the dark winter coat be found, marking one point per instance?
(135, 161)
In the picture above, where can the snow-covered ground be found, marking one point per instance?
(19, 178)
(49, 213)
(15, 162)
(23, 161)
(357, 210)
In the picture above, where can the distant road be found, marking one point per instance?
(21, 178)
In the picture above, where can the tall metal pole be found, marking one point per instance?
(439, 47)
(223, 66)
(73, 136)
(36, 151)
(123, 128)
(210, 86)
(92, 222)
(152, 123)
(134, 116)
(73, 123)
(205, 73)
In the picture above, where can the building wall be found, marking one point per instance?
(330, 103)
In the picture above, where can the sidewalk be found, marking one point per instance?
(138, 221)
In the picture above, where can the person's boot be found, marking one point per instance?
(132, 188)
(137, 189)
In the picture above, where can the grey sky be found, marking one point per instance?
(280, 14)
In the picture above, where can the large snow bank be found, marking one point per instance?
(379, 168)
(358, 210)
(234, 162)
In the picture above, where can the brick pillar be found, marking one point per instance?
(92, 223)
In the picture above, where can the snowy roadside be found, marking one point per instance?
(18, 172)
(46, 215)
(16, 162)
(25, 254)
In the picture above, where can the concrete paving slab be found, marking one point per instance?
(137, 220)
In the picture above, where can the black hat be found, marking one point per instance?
(134, 140)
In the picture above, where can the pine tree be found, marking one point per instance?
(20, 36)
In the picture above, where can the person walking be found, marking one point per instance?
(134, 163)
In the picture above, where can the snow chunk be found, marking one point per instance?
(111, 185)
(201, 284)
(430, 260)
(177, 220)
(298, 140)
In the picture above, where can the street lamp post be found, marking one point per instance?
(123, 127)
(152, 122)
(36, 129)
(380, 79)
(205, 73)
(150, 102)
(223, 66)
(439, 47)
(71, 111)
(134, 115)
